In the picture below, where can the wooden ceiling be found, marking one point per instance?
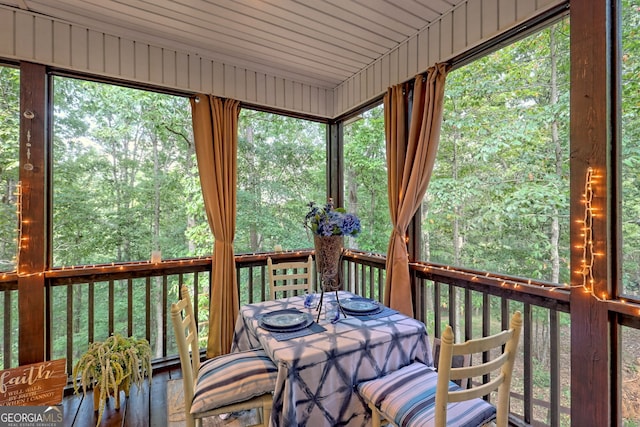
(320, 42)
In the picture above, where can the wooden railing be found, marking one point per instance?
(90, 303)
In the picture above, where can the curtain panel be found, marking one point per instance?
(413, 115)
(215, 130)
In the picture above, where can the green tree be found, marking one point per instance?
(9, 148)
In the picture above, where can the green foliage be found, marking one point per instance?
(366, 180)
(630, 80)
(9, 147)
(281, 166)
(122, 164)
(501, 179)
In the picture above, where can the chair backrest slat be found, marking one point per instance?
(505, 342)
(290, 276)
(186, 332)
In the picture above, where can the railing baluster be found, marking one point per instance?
(91, 318)
(129, 307)
(111, 308)
(7, 333)
(196, 293)
(250, 285)
(453, 313)
(372, 294)
(165, 318)
(147, 305)
(70, 320)
(528, 367)
(468, 314)
(437, 310)
(554, 360)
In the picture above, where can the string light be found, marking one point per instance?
(20, 221)
(588, 253)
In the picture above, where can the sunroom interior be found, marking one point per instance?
(551, 231)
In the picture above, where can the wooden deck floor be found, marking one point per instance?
(146, 408)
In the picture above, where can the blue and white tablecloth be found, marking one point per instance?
(318, 373)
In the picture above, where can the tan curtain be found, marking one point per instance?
(412, 143)
(215, 131)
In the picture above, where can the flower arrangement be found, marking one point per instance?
(330, 221)
(112, 365)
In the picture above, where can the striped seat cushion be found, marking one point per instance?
(407, 398)
(233, 378)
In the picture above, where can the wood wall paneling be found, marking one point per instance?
(403, 62)
(506, 13)
(155, 65)
(169, 67)
(194, 78)
(279, 93)
(251, 86)
(446, 36)
(182, 70)
(384, 75)
(459, 42)
(423, 52)
(112, 52)
(27, 37)
(470, 23)
(434, 43)
(141, 51)
(127, 59)
(394, 75)
(240, 79)
(297, 96)
(412, 57)
(61, 43)
(261, 88)
(43, 45)
(24, 41)
(218, 78)
(489, 17)
(474, 22)
(96, 53)
(7, 32)
(289, 95)
(525, 8)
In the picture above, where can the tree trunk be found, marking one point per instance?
(457, 248)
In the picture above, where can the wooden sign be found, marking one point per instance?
(39, 384)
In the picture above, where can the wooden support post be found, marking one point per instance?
(33, 171)
(593, 139)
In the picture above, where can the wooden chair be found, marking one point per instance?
(228, 383)
(417, 395)
(290, 276)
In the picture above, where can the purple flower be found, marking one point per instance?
(350, 224)
(327, 221)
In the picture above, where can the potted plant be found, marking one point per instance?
(329, 225)
(111, 366)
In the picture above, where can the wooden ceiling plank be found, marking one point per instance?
(382, 11)
(225, 43)
(255, 20)
(255, 29)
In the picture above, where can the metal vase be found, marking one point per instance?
(328, 261)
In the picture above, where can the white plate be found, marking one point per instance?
(284, 320)
(359, 305)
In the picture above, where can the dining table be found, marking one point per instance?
(321, 363)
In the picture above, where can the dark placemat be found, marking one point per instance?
(313, 328)
(385, 312)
